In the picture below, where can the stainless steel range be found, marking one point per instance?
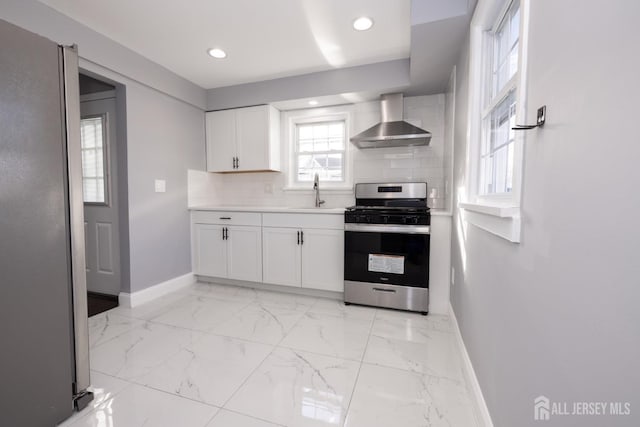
(387, 247)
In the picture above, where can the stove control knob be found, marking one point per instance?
(385, 219)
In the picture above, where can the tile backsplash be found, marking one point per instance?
(423, 163)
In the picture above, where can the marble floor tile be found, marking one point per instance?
(223, 291)
(141, 406)
(150, 309)
(105, 326)
(300, 389)
(290, 301)
(329, 335)
(272, 359)
(208, 370)
(226, 418)
(139, 350)
(409, 320)
(262, 322)
(387, 397)
(200, 313)
(436, 356)
(338, 308)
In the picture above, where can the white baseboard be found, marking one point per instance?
(481, 412)
(156, 291)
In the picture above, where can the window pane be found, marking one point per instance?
(93, 159)
(496, 164)
(505, 49)
(321, 146)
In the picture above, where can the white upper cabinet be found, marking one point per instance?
(221, 137)
(243, 139)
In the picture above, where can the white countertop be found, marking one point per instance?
(278, 209)
(269, 209)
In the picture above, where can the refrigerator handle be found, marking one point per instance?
(76, 218)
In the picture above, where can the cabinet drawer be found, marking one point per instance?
(226, 218)
(324, 221)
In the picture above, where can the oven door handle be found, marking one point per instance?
(393, 291)
(401, 229)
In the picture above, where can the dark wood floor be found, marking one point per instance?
(98, 303)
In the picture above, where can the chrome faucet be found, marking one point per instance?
(316, 189)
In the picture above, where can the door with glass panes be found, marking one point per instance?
(100, 190)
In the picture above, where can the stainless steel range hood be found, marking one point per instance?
(392, 131)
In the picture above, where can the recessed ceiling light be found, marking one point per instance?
(363, 23)
(217, 53)
(313, 102)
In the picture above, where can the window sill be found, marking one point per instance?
(503, 221)
(332, 190)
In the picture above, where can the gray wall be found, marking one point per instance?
(379, 78)
(557, 314)
(90, 85)
(164, 137)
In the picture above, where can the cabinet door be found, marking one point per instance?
(252, 136)
(245, 253)
(323, 260)
(209, 251)
(281, 256)
(221, 140)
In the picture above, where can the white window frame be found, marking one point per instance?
(497, 213)
(318, 115)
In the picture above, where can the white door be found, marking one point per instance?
(281, 256)
(221, 140)
(252, 131)
(244, 248)
(100, 188)
(210, 250)
(323, 259)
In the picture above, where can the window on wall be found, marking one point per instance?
(497, 95)
(92, 138)
(320, 147)
(497, 141)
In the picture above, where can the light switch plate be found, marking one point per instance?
(161, 186)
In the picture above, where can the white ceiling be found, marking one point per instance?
(263, 39)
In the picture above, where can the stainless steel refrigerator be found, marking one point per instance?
(44, 349)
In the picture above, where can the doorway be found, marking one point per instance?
(100, 166)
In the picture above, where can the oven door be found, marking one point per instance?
(387, 254)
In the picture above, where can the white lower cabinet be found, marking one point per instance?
(323, 259)
(288, 249)
(210, 250)
(281, 256)
(244, 253)
(233, 251)
(308, 258)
